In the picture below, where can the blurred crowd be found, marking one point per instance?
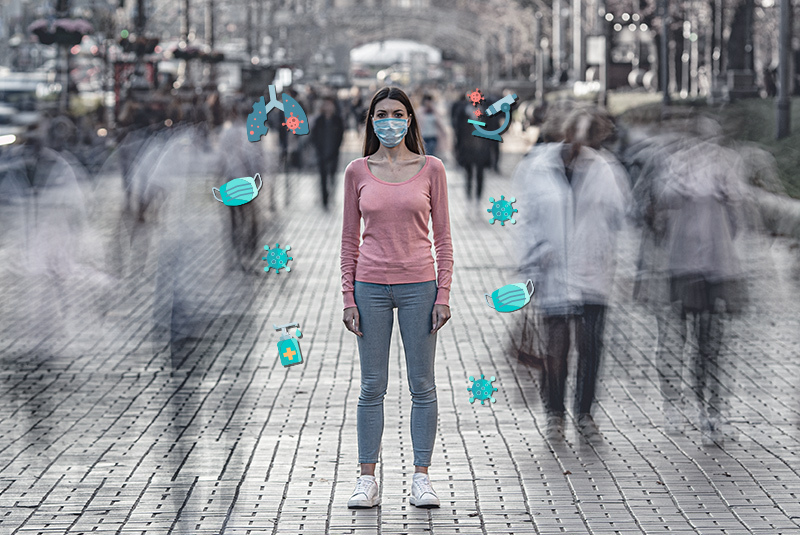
(687, 192)
(98, 143)
(169, 150)
(684, 188)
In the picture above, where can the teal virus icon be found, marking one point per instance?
(277, 258)
(482, 389)
(502, 210)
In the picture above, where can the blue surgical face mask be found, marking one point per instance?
(390, 131)
(510, 297)
(238, 191)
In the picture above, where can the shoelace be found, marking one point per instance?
(363, 485)
(424, 486)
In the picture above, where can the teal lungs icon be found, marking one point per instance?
(238, 191)
(510, 297)
(296, 120)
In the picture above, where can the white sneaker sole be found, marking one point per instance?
(363, 504)
(427, 502)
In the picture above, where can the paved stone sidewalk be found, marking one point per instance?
(105, 428)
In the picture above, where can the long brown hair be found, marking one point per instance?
(413, 139)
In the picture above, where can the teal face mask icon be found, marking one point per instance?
(510, 297)
(238, 191)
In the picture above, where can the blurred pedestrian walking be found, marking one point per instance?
(396, 190)
(430, 126)
(357, 109)
(178, 178)
(648, 162)
(56, 254)
(574, 201)
(701, 193)
(139, 123)
(327, 132)
(236, 158)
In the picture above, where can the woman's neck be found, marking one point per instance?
(393, 154)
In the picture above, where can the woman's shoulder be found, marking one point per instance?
(357, 163)
(356, 168)
(434, 164)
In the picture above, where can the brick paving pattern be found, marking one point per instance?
(105, 428)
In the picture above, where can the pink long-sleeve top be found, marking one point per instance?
(394, 247)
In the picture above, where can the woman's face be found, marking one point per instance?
(390, 109)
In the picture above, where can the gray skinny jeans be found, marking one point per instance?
(376, 304)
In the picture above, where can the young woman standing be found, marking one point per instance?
(396, 190)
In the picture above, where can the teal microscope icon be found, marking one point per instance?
(288, 346)
(504, 105)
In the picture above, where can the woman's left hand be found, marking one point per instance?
(441, 313)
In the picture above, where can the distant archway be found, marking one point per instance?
(457, 30)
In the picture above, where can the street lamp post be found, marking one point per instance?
(783, 105)
(185, 21)
(664, 62)
(540, 59)
(209, 24)
(209, 35)
(716, 54)
(749, 62)
(249, 28)
(578, 54)
(62, 52)
(141, 18)
(558, 38)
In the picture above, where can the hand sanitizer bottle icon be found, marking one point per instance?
(288, 346)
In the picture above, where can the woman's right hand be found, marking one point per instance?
(351, 320)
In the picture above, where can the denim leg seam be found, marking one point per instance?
(376, 324)
(414, 317)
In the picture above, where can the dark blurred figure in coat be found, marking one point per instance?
(493, 122)
(291, 145)
(327, 132)
(473, 153)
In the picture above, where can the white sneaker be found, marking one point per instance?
(674, 422)
(710, 433)
(365, 495)
(555, 427)
(422, 493)
(588, 427)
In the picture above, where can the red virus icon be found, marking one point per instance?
(477, 113)
(475, 97)
(292, 123)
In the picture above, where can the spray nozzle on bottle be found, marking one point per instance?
(285, 335)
